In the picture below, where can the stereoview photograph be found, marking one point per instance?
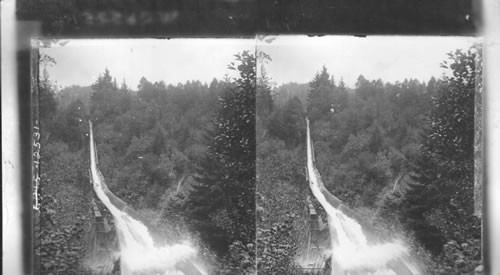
(267, 155)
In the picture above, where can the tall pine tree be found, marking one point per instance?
(320, 97)
(104, 99)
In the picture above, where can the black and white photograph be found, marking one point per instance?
(147, 160)
(147, 137)
(276, 155)
(369, 155)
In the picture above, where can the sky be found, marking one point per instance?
(390, 58)
(80, 62)
(294, 58)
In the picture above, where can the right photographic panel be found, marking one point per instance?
(369, 155)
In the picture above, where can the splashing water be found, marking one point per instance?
(137, 248)
(350, 249)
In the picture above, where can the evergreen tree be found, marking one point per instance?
(446, 164)
(320, 97)
(104, 99)
(363, 89)
(340, 101)
(422, 196)
(206, 200)
(223, 204)
(234, 145)
(287, 123)
(70, 126)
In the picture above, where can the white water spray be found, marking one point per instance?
(350, 249)
(137, 248)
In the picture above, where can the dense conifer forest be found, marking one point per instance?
(225, 161)
(400, 154)
(183, 155)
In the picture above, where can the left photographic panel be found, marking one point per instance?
(144, 156)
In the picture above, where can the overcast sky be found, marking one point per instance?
(390, 58)
(80, 62)
(294, 58)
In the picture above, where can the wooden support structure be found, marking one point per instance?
(102, 243)
(317, 237)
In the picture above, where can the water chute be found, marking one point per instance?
(351, 252)
(138, 252)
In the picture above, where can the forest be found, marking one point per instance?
(401, 154)
(183, 155)
(225, 162)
